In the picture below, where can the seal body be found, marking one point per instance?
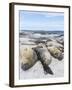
(28, 58)
(56, 53)
(45, 58)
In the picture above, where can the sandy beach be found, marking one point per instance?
(37, 71)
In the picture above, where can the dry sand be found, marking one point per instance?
(37, 70)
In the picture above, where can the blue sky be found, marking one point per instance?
(34, 20)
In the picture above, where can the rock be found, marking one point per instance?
(28, 58)
(45, 58)
(56, 53)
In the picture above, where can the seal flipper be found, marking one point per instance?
(47, 69)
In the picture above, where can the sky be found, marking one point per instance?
(39, 20)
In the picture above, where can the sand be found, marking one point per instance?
(36, 71)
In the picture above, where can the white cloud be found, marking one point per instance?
(54, 14)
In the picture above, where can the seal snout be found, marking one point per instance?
(25, 66)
